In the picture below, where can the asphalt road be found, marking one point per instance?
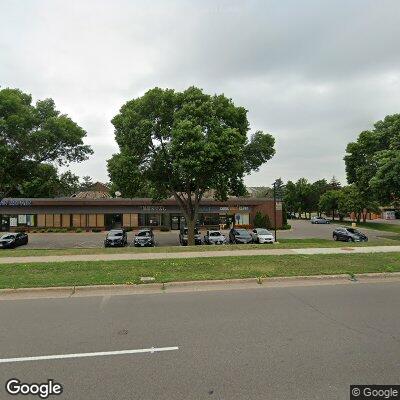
(297, 343)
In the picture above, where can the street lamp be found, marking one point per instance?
(275, 211)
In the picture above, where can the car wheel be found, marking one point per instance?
(335, 237)
(349, 239)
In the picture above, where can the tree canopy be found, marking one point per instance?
(183, 144)
(34, 139)
(373, 161)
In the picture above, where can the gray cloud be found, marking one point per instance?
(313, 73)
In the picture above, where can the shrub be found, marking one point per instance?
(96, 230)
(79, 230)
(286, 227)
(261, 220)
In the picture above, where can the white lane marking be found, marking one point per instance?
(81, 355)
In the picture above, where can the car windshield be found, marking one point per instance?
(242, 232)
(144, 233)
(115, 233)
(351, 230)
(263, 232)
(7, 237)
(215, 233)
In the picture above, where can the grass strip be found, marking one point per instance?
(129, 272)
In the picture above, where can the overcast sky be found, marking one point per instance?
(313, 73)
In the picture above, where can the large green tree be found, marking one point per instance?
(373, 161)
(32, 135)
(329, 202)
(352, 200)
(183, 144)
(45, 181)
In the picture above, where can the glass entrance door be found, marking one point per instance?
(4, 223)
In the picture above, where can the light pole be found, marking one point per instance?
(275, 210)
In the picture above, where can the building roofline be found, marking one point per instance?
(68, 201)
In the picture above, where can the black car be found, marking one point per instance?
(349, 235)
(116, 238)
(144, 238)
(13, 240)
(183, 236)
(239, 236)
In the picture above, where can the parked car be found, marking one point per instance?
(320, 220)
(239, 236)
(13, 240)
(183, 236)
(214, 237)
(144, 238)
(116, 238)
(262, 235)
(349, 235)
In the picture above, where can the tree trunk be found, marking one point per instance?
(191, 224)
(333, 214)
(364, 216)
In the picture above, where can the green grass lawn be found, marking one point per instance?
(129, 272)
(283, 244)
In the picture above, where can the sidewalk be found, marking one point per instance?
(197, 254)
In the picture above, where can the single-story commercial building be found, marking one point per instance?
(108, 213)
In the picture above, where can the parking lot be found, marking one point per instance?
(300, 230)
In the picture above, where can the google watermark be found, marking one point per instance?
(375, 392)
(44, 390)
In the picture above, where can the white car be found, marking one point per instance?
(261, 235)
(214, 237)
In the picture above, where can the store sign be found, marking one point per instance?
(153, 208)
(15, 203)
(235, 208)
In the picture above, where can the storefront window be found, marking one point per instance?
(209, 219)
(150, 219)
(242, 219)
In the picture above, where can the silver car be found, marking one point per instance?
(319, 220)
(214, 237)
(262, 235)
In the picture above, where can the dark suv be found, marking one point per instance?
(183, 236)
(116, 238)
(144, 238)
(12, 240)
(239, 236)
(349, 235)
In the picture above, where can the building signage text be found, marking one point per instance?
(235, 208)
(15, 203)
(154, 208)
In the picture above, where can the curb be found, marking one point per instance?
(108, 290)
